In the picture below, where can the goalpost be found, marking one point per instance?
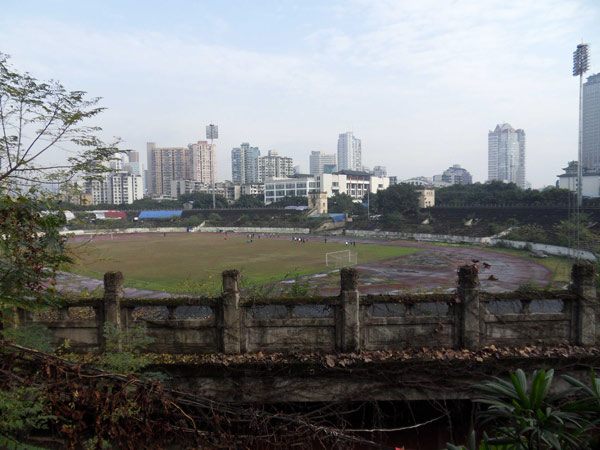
(341, 258)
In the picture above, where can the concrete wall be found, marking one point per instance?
(467, 318)
(483, 241)
(198, 229)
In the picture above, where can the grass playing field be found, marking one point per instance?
(181, 262)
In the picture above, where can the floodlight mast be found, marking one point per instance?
(580, 66)
(212, 132)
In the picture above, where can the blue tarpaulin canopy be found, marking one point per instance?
(337, 217)
(159, 214)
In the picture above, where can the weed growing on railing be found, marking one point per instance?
(300, 288)
(528, 286)
(123, 349)
(191, 287)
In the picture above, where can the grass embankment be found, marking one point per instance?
(194, 262)
(560, 266)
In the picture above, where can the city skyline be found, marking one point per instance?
(409, 79)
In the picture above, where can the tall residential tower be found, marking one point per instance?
(506, 155)
(244, 164)
(349, 152)
(591, 123)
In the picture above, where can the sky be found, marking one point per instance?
(419, 82)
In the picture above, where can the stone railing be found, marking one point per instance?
(468, 318)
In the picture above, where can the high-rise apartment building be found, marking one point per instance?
(244, 164)
(165, 164)
(590, 142)
(115, 188)
(506, 155)
(322, 163)
(202, 162)
(273, 165)
(349, 152)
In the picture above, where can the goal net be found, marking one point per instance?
(341, 258)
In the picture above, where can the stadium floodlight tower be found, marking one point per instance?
(212, 132)
(580, 66)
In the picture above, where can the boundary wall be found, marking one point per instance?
(483, 241)
(191, 230)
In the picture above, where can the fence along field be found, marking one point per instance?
(168, 262)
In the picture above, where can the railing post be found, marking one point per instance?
(229, 314)
(113, 294)
(583, 284)
(349, 319)
(468, 293)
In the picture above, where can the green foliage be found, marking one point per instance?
(203, 200)
(522, 415)
(244, 219)
(249, 201)
(497, 193)
(214, 219)
(340, 203)
(123, 349)
(209, 287)
(22, 409)
(36, 336)
(396, 199)
(36, 118)
(300, 288)
(31, 250)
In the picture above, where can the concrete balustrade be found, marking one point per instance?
(468, 318)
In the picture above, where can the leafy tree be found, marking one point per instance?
(31, 250)
(497, 193)
(204, 201)
(398, 198)
(340, 203)
(39, 122)
(249, 201)
(214, 219)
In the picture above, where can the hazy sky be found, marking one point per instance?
(420, 82)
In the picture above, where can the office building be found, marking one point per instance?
(349, 152)
(278, 188)
(590, 142)
(322, 163)
(506, 155)
(245, 164)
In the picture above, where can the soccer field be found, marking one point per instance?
(174, 261)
